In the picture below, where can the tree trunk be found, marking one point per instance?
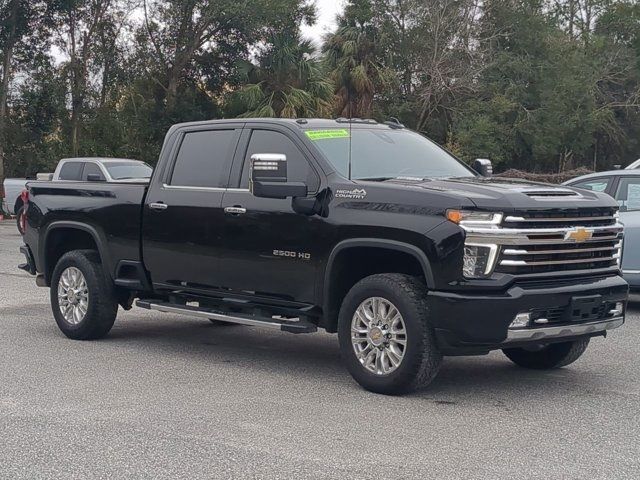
(6, 77)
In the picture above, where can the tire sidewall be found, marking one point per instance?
(19, 216)
(79, 261)
(415, 348)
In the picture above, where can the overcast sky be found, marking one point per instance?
(327, 11)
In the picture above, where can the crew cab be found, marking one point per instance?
(366, 229)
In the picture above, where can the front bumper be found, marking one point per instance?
(479, 323)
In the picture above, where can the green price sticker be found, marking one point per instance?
(315, 135)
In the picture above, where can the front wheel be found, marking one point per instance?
(385, 336)
(83, 302)
(555, 355)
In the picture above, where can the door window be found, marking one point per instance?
(71, 171)
(628, 195)
(595, 184)
(91, 169)
(204, 159)
(298, 167)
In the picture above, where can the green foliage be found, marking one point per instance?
(537, 85)
(285, 82)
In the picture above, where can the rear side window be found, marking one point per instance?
(71, 171)
(92, 169)
(298, 167)
(595, 184)
(204, 159)
(628, 195)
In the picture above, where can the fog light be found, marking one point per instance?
(617, 310)
(522, 320)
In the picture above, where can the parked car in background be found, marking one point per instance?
(12, 200)
(624, 186)
(634, 165)
(102, 170)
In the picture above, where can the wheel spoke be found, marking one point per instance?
(374, 317)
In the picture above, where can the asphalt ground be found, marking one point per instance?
(166, 396)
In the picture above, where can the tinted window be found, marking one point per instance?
(204, 159)
(91, 169)
(595, 184)
(628, 195)
(385, 153)
(298, 168)
(70, 171)
(125, 170)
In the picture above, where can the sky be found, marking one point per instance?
(326, 13)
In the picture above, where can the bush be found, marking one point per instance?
(545, 177)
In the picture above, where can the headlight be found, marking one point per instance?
(479, 219)
(479, 260)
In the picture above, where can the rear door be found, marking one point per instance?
(628, 197)
(183, 209)
(268, 248)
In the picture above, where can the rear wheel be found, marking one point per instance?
(21, 219)
(555, 355)
(385, 337)
(83, 301)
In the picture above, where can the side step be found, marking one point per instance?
(292, 326)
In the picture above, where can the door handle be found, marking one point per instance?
(158, 206)
(235, 210)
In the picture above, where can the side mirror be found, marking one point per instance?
(483, 167)
(268, 177)
(94, 177)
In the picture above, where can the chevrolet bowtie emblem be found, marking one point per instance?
(579, 235)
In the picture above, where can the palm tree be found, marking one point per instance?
(352, 60)
(286, 82)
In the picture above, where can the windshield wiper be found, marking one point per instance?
(375, 179)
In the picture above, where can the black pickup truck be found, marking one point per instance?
(361, 228)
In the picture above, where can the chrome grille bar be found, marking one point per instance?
(558, 219)
(512, 251)
(526, 263)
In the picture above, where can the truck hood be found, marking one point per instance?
(502, 194)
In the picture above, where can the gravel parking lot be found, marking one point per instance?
(166, 396)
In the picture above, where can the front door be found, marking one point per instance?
(183, 211)
(268, 248)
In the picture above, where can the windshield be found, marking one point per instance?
(381, 154)
(125, 170)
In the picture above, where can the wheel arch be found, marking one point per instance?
(404, 260)
(64, 236)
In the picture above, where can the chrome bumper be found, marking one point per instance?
(551, 333)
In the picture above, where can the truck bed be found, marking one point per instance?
(110, 212)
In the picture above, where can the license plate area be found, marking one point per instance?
(586, 308)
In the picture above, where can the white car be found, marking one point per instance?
(102, 170)
(77, 170)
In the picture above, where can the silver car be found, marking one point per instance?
(624, 186)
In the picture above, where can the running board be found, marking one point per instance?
(291, 326)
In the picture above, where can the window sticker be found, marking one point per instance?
(315, 135)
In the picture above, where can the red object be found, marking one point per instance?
(25, 202)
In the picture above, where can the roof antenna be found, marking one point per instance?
(350, 129)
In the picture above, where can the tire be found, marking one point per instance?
(554, 355)
(101, 306)
(421, 357)
(20, 220)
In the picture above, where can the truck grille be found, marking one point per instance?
(555, 242)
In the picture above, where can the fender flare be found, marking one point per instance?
(376, 243)
(95, 234)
